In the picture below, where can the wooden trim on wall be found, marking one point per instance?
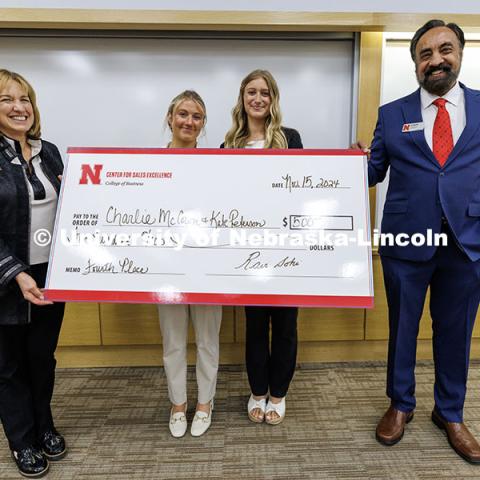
(369, 84)
(87, 19)
(370, 73)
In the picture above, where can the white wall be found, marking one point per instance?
(115, 91)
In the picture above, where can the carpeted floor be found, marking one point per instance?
(115, 422)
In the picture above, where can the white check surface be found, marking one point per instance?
(169, 224)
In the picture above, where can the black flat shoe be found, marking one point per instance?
(53, 445)
(31, 462)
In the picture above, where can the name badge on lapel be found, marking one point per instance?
(412, 127)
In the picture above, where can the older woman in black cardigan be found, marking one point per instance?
(30, 174)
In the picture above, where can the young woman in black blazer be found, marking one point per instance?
(256, 123)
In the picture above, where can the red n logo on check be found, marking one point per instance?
(91, 174)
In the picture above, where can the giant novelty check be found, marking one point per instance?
(231, 227)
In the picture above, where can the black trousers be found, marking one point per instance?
(27, 371)
(271, 368)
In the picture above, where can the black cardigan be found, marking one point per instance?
(15, 226)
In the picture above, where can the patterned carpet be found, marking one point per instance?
(115, 422)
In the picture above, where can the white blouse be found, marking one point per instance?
(255, 144)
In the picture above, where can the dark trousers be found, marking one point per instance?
(271, 369)
(27, 371)
(454, 297)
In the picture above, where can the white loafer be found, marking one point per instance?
(254, 404)
(178, 423)
(279, 409)
(201, 422)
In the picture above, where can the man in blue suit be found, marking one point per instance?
(430, 140)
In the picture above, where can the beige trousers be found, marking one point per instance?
(206, 320)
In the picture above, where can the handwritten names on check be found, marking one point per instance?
(168, 218)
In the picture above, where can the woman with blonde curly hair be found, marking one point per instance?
(257, 123)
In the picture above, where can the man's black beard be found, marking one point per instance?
(439, 86)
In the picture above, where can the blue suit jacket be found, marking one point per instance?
(420, 191)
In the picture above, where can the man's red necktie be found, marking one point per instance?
(442, 132)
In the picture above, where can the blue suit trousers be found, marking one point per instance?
(454, 282)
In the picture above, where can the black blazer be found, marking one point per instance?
(292, 136)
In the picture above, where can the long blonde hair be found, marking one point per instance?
(7, 76)
(237, 136)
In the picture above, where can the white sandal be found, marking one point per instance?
(279, 409)
(254, 404)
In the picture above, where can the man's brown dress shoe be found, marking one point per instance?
(392, 425)
(459, 438)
